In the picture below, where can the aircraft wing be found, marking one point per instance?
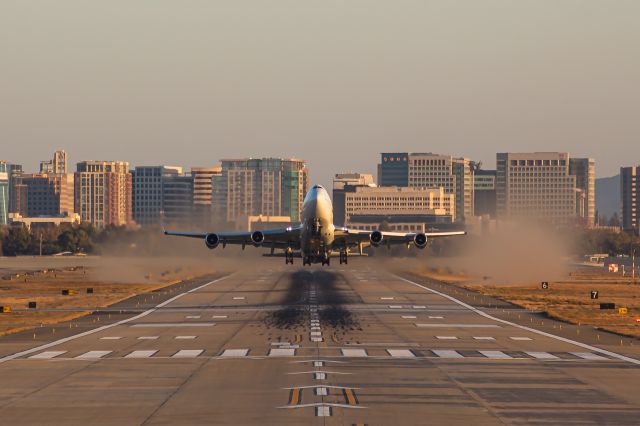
(350, 237)
(271, 238)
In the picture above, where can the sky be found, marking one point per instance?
(332, 82)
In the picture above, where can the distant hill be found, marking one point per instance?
(608, 196)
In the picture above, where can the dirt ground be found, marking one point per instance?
(42, 280)
(568, 299)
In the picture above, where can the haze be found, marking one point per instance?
(333, 82)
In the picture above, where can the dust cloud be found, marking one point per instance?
(149, 257)
(513, 253)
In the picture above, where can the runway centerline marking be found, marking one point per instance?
(108, 326)
(457, 325)
(171, 324)
(522, 327)
(111, 338)
(148, 337)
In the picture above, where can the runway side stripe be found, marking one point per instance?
(108, 326)
(522, 327)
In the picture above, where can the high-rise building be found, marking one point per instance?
(427, 170)
(57, 165)
(4, 192)
(545, 185)
(103, 191)
(584, 169)
(341, 183)
(403, 208)
(484, 197)
(203, 193)
(17, 191)
(147, 200)
(177, 199)
(47, 194)
(629, 190)
(267, 186)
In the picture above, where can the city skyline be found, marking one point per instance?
(320, 82)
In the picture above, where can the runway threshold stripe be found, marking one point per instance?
(495, 354)
(93, 355)
(141, 354)
(48, 355)
(354, 353)
(232, 353)
(588, 355)
(522, 327)
(188, 353)
(108, 326)
(541, 355)
(282, 352)
(447, 354)
(401, 353)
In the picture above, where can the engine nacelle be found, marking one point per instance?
(420, 240)
(212, 241)
(376, 238)
(257, 238)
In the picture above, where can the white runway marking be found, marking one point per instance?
(148, 337)
(219, 317)
(185, 337)
(446, 338)
(495, 354)
(588, 355)
(141, 354)
(316, 339)
(401, 353)
(282, 352)
(229, 353)
(409, 317)
(111, 338)
(192, 317)
(48, 355)
(484, 338)
(419, 307)
(176, 324)
(316, 334)
(457, 325)
(106, 327)
(323, 411)
(93, 355)
(320, 376)
(318, 363)
(238, 298)
(435, 317)
(447, 354)
(322, 391)
(522, 327)
(386, 298)
(522, 339)
(187, 353)
(355, 353)
(541, 355)
(395, 307)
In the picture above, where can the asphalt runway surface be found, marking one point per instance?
(345, 345)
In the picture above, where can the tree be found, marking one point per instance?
(16, 241)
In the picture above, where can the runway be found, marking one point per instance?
(344, 345)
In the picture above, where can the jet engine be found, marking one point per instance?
(376, 238)
(257, 238)
(420, 240)
(212, 241)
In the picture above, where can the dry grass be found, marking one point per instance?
(46, 290)
(567, 300)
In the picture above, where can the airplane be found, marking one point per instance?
(316, 239)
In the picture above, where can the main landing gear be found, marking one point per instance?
(343, 257)
(288, 258)
(326, 261)
(306, 260)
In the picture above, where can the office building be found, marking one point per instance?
(541, 186)
(57, 165)
(177, 200)
(402, 208)
(17, 191)
(427, 170)
(267, 186)
(147, 198)
(203, 193)
(4, 192)
(340, 182)
(484, 197)
(584, 169)
(629, 187)
(103, 193)
(46, 195)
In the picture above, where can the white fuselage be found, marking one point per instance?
(317, 235)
